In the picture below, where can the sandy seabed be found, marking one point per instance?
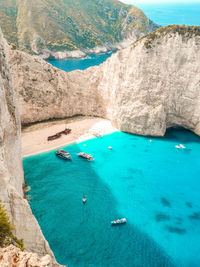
(34, 138)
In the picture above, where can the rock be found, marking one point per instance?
(144, 89)
(11, 171)
(14, 257)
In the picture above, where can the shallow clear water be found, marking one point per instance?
(153, 184)
(80, 64)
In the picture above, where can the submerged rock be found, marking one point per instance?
(195, 216)
(165, 202)
(162, 217)
(176, 230)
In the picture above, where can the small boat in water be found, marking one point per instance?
(63, 154)
(182, 146)
(84, 199)
(85, 156)
(119, 221)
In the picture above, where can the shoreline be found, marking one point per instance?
(34, 137)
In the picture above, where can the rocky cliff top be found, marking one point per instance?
(186, 32)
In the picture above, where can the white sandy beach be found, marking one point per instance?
(34, 138)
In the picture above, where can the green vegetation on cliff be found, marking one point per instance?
(6, 236)
(69, 25)
(185, 31)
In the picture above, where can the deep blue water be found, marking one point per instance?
(80, 64)
(172, 13)
(153, 184)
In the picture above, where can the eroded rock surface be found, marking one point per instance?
(11, 172)
(143, 89)
(14, 257)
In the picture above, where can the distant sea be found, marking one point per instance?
(153, 184)
(172, 13)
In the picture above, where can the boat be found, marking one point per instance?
(59, 134)
(66, 131)
(119, 221)
(85, 156)
(63, 154)
(182, 146)
(54, 137)
(84, 199)
(97, 135)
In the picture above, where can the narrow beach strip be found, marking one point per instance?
(34, 138)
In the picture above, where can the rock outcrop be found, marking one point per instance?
(144, 89)
(11, 171)
(14, 257)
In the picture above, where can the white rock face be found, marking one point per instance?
(143, 89)
(11, 172)
(14, 257)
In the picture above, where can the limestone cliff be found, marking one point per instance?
(11, 172)
(14, 257)
(144, 89)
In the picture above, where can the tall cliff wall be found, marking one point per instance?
(11, 172)
(144, 89)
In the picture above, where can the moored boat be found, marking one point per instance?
(119, 221)
(63, 154)
(84, 199)
(85, 156)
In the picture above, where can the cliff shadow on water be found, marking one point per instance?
(81, 235)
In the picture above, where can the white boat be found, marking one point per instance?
(85, 156)
(119, 221)
(63, 154)
(182, 146)
(84, 199)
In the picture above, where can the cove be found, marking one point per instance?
(153, 184)
(81, 63)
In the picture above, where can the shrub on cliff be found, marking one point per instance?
(6, 235)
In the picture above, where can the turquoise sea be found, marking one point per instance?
(80, 64)
(164, 13)
(153, 184)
